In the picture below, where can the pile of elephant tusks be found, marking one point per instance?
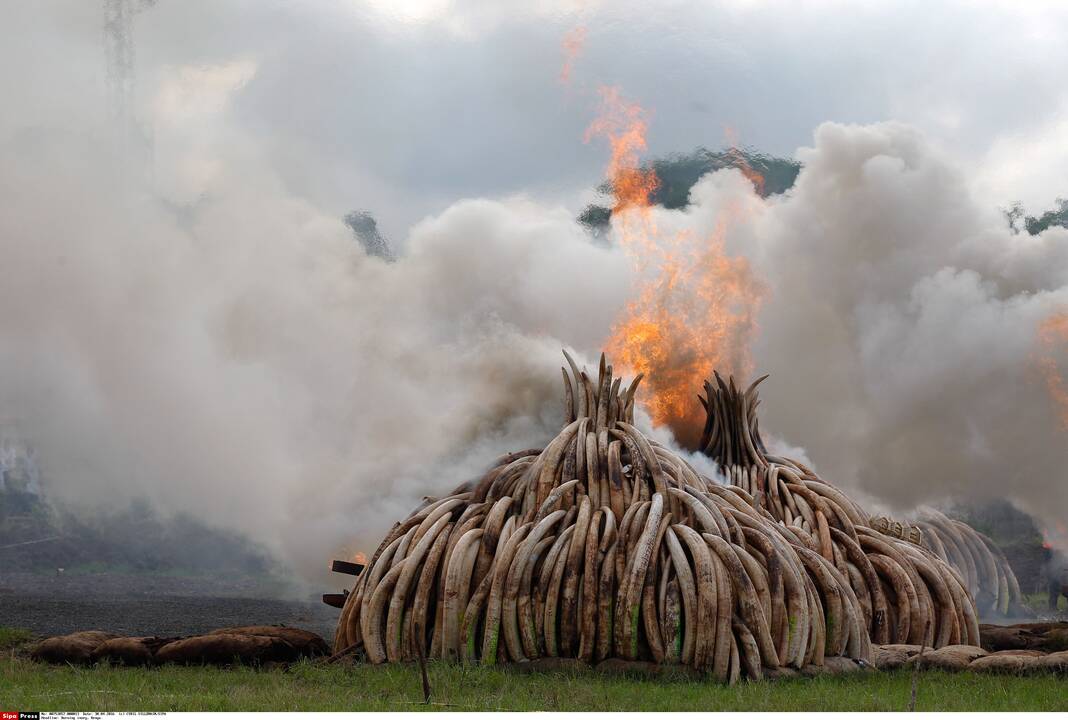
(605, 544)
(928, 573)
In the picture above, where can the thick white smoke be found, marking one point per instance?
(900, 329)
(214, 341)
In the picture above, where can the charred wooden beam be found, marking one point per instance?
(346, 567)
(335, 599)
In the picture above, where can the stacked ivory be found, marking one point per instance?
(925, 592)
(985, 569)
(982, 563)
(606, 545)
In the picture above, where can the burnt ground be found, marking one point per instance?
(144, 604)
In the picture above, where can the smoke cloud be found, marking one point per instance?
(900, 322)
(213, 342)
(900, 327)
(210, 338)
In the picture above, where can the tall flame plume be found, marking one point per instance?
(571, 46)
(1053, 337)
(1053, 341)
(695, 306)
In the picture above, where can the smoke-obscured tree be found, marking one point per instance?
(677, 174)
(365, 228)
(1018, 220)
(1016, 533)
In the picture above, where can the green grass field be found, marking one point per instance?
(25, 685)
(11, 638)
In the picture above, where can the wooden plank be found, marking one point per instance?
(346, 567)
(334, 599)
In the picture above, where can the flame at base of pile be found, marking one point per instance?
(605, 544)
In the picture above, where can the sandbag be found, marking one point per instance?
(306, 643)
(891, 657)
(1019, 653)
(1045, 636)
(76, 648)
(226, 648)
(1009, 664)
(1054, 640)
(953, 658)
(129, 650)
(782, 672)
(832, 665)
(909, 649)
(1056, 662)
(1002, 637)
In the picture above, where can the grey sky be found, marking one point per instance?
(404, 107)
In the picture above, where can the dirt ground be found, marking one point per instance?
(52, 604)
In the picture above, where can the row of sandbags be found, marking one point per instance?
(252, 644)
(971, 658)
(1041, 636)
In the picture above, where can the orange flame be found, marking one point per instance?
(353, 555)
(572, 45)
(1055, 538)
(695, 306)
(624, 124)
(1053, 335)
